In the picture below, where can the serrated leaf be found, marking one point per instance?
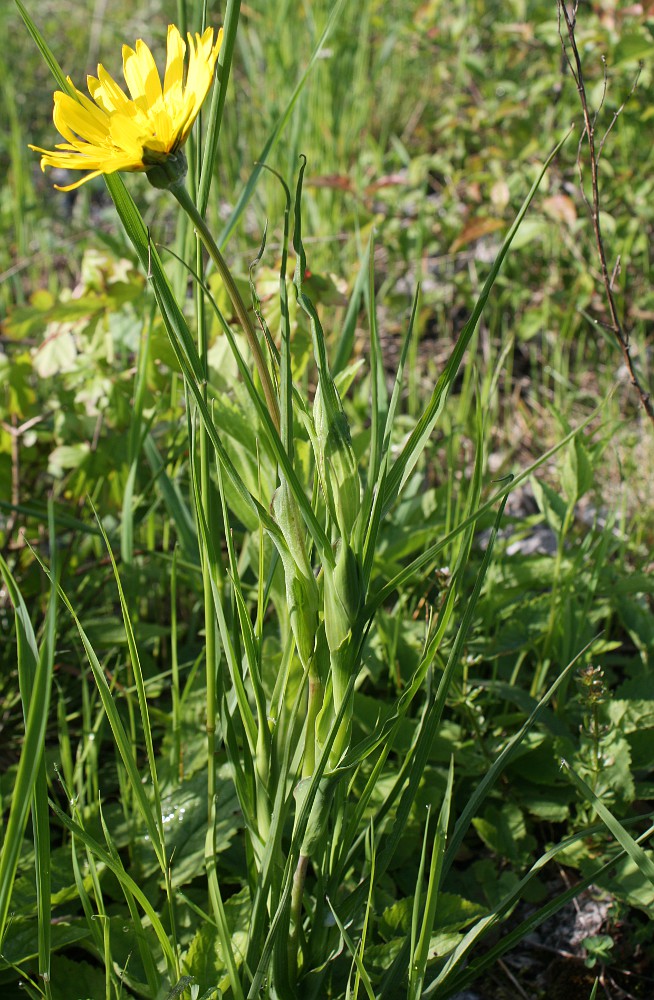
(504, 831)
(21, 943)
(455, 912)
(396, 919)
(184, 813)
(72, 980)
(204, 959)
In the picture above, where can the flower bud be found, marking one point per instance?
(342, 596)
(166, 170)
(342, 601)
(301, 587)
(337, 464)
(317, 824)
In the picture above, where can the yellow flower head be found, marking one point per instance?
(116, 133)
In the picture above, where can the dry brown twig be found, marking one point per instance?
(573, 59)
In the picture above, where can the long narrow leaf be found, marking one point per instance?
(642, 860)
(30, 764)
(409, 571)
(125, 880)
(146, 727)
(253, 180)
(121, 737)
(379, 393)
(354, 952)
(455, 975)
(421, 954)
(232, 14)
(501, 761)
(411, 452)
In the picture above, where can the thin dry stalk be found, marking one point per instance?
(615, 326)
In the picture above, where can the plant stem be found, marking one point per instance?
(593, 203)
(296, 915)
(242, 313)
(211, 644)
(314, 705)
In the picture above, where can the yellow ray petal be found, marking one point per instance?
(69, 115)
(107, 93)
(141, 74)
(83, 180)
(174, 75)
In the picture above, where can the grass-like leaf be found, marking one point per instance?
(30, 786)
(35, 670)
(642, 860)
(278, 128)
(414, 447)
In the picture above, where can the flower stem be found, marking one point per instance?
(314, 705)
(299, 877)
(206, 495)
(240, 309)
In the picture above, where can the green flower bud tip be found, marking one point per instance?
(302, 598)
(337, 465)
(167, 171)
(342, 596)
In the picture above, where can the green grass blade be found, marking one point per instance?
(409, 571)
(172, 498)
(642, 860)
(371, 519)
(417, 759)
(317, 334)
(373, 499)
(136, 434)
(378, 389)
(146, 727)
(300, 826)
(354, 952)
(369, 911)
(225, 57)
(417, 909)
(383, 736)
(263, 897)
(501, 761)
(246, 634)
(253, 180)
(29, 787)
(285, 368)
(456, 975)
(126, 881)
(42, 864)
(345, 343)
(45, 51)
(229, 649)
(145, 948)
(399, 375)
(411, 452)
(274, 443)
(39, 512)
(85, 899)
(218, 908)
(421, 954)
(122, 739)
(150, 261)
